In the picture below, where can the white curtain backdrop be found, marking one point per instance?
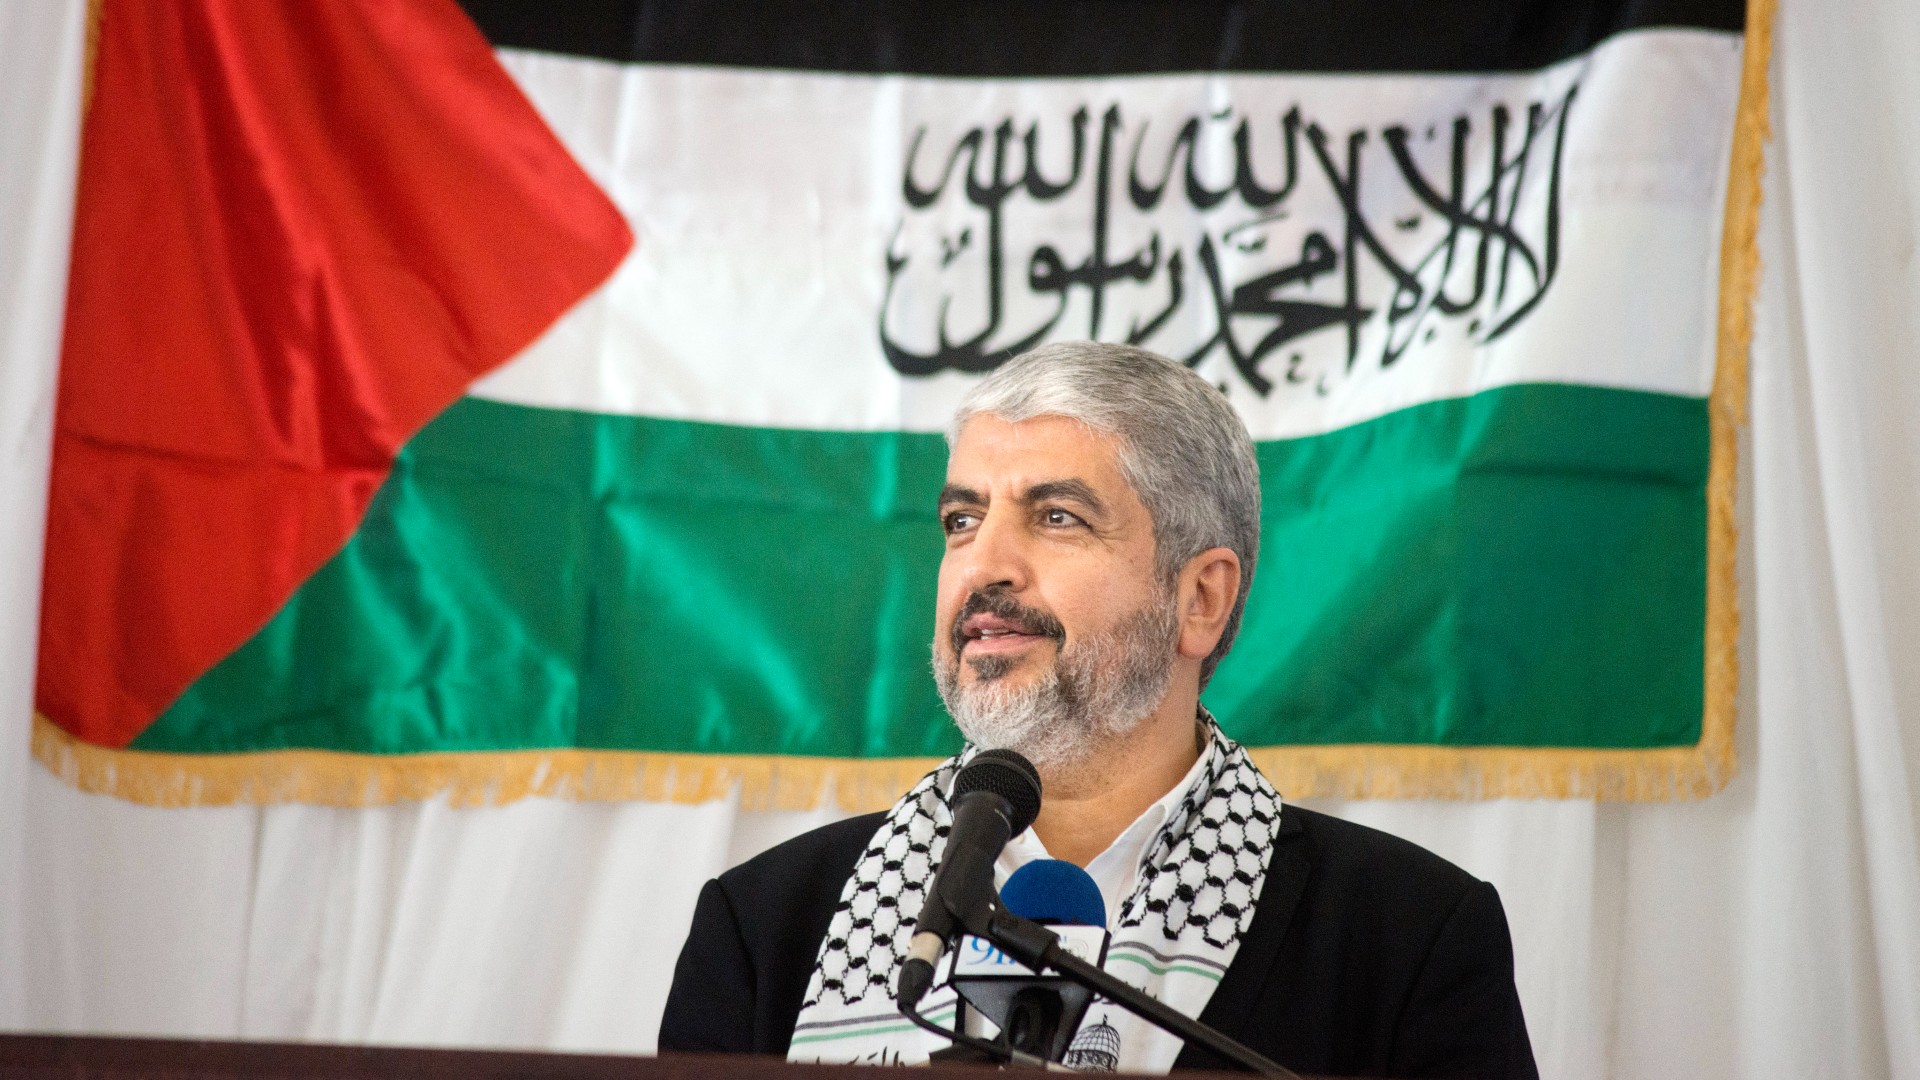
(40, 61)
(1771, 931)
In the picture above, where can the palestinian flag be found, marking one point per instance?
(389, 464)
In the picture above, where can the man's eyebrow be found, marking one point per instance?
(956, 493)
(1075, 490)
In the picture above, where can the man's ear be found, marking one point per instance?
(1209, 586)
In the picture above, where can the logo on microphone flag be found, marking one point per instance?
(388, 464)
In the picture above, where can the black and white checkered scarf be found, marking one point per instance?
(1174, 936)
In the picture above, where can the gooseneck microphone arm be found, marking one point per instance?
(961, 888)
(1039, 948)
(995, 797)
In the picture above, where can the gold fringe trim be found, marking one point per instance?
(1740, 238)
(1446, 772)
(331, 778)
(477, 778)
(779, 782)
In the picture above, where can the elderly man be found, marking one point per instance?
(1102, 519)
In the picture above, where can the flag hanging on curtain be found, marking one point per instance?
(1477, 279)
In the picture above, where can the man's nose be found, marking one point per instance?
(996, 555)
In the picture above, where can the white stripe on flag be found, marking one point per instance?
(766, 205)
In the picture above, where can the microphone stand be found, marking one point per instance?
(986, 1051)
(1039, 948)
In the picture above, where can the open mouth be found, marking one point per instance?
(991, 633)
(995, 623)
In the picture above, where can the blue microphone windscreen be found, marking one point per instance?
(1055, 891)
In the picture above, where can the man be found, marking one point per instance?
(1102, 519)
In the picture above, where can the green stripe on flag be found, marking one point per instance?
(1524, 567)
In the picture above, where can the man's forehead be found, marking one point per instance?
(992, 452)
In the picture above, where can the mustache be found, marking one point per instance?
(999, 602)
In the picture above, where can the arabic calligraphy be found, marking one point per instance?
(1234, 234)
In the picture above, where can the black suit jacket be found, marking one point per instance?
(1367, 956)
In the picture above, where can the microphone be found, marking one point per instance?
(1056, 892)
(1037, 1014)
(995, 797)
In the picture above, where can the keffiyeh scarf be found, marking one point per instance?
(1174, 936)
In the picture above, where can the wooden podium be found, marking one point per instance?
(77, 1057)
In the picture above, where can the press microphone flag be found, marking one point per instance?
(995, 797)
(1037, 1013)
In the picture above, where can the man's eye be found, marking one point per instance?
(1058, 518)
(959, 521)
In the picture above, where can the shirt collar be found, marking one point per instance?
(1117, 868)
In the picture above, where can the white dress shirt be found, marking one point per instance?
(1116, 869)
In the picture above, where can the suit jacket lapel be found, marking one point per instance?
(1239, 991)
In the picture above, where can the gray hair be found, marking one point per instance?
(1182, 447)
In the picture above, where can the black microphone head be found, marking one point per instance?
(1008, 775)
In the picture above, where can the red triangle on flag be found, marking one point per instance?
(302, 230)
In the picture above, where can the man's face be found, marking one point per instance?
(1051, 627)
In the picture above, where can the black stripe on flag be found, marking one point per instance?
(1064, 38)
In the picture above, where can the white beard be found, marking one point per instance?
(1097, 690)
